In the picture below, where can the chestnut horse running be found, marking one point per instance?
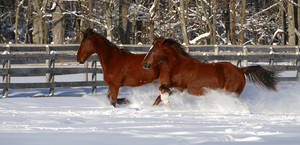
(179, 70)
(120, 68)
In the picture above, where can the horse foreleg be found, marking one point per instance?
(113, 94)
(165, 92)
(157, 101)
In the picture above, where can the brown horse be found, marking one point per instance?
(120, 67)
(179, 70)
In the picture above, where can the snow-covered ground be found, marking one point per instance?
(258, 117)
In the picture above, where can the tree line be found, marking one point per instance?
(202, 22)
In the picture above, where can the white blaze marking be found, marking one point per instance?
(148, 52)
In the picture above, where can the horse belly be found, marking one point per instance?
(138, 79)
(210, 79)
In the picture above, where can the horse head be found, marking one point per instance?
(87, 46)
(156, 53)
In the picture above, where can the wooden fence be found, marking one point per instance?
(277, 58)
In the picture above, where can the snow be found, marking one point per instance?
(5, 52)
(259, 116)
(53, 6)
(52, 52)
(194, 41)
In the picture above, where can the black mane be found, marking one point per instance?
(177, 45)
(85, 35)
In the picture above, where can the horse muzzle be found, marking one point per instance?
(81, 62)
(146, 66)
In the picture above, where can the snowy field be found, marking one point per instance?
(258, 117)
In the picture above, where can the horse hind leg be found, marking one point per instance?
(232, 86)
(113, 95)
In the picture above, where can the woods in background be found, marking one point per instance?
(237, 22)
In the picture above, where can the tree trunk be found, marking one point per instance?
(291, 24)
(17, 21)
(133, 31)
(28, 19)
(232, 22)
(108, 14)
(282, 22)
(242, 22)
(214, 23)
(37, 23)
(58, 24)
(152, 16)
(123, 22)
(182, 21)
(139, 26)
(298, 17)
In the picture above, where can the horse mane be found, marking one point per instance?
(104, 38)
(177, 45)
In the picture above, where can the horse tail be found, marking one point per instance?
(261, 76)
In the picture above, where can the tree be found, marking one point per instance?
(152, 18)
(242, 22)
(28, 21)
(20, 3)
(58, 31)
(108, 16)
(232, 21)
(182, 21)
(40, 27)
(291, 24)
(214, 22)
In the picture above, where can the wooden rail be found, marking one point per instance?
(277, 58)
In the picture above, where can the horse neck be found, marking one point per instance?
(106, 52)
(173, 57)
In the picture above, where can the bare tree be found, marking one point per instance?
(108, 15)
(214, 22)
(298, 14)
(124, 31)
(20, 3)
(291, 24)
(232, 21)
(242, 22)
(28, 20)
(58, 22)
(182, 21)
(40, 27)
(152, 18)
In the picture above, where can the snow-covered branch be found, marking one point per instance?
(200, 37)
(85, 18)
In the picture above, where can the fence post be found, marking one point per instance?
(51, 65)
(6, 77)
(86, 75)
(216, 51)
(205, 57)
(271, 62)
(298, 62)
(94, 76)
(239, 62)
(245, 53)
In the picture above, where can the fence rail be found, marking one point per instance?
(277, 58)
